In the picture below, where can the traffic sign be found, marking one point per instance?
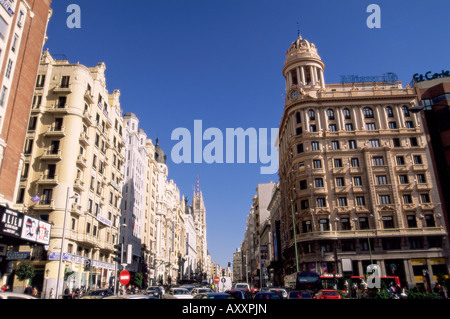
(216, 280)
(124, 277)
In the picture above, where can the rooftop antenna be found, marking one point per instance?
(298, 29)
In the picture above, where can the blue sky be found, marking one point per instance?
(177, 61)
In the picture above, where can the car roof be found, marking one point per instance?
(8, 294)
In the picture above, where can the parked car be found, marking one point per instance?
(242, 285)
(197, 291)
(213, 295)
(180, 293)
(97, 294)
(240, 293)
(155, 291)
(267, 295)
(188, 287)
(281, 291)
(327, 294)
(299, 295)
(14, 295)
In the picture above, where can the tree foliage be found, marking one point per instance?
(25, 271)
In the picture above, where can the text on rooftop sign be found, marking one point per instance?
(388, 78)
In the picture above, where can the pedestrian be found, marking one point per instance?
(52, 294)
(4, 288)
(28, 290)
(35, 292)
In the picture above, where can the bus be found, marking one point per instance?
(307, 280)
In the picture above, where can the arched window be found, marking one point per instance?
(389, 111)
(368, 113)
(405, 110)
(298, 118)
(347, 114)
(312, 115)
(330, 113)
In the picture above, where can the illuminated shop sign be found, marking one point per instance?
(430, 76)
(388, 78)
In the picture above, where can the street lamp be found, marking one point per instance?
(62, 239)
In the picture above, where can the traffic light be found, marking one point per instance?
(118, 253)
(229, 264)
(145, 270)
(223, 272)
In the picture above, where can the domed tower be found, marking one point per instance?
(303, 68)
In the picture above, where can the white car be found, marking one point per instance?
(242, 285)
(13, 295)
(180, 293)
(196, 291)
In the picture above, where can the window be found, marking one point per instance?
(352, 144)
(47, 196)
(345, 224)
(407, 199)
(374, 143)
(3, 28)
(306, 225)
(321, 202)
(391, 243)
(65, 81)
(347, 114)
(319, 182)
(381, 180)
(415, 242)
(20, 195)
(342, 201)
(363, 223)
(354, 162)
(417, 159)
(304, 204)
(388, 222)
(409, 124)
(324, 224)
(384, 199)
(425, 198)
(315, 146)
(297, 116)
(299, 131)
(299, 148)
(412, 221)
(357, 181)
(421, 178)
(312, 115)
(62, 100)
(368, 112)
(40, 80)
(28, 146)
(392, 125)
(405, 110)
(400, 160)
(317, 163)
(378, 160)
(396, 142)
(332, 127)
(349, 127)
(403, 179)
(303, 184)
(14, 44)
(3, 95)
(54, 147)
(32, 123)
(335, 145)
(348, 245)
(9, 68)
(340, 181)
(337, 162)
(330, 113)
(360, 201)
(429, 220)
(313, 128)
(389, 112)
(371, 126)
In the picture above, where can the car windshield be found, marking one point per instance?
(241, 286)
(330, 293)
(204, 290)
(180, 292)
(96, 293)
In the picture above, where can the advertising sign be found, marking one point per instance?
(10, 222)
(30, 228)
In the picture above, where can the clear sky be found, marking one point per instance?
(176, 61)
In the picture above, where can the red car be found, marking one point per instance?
(327, 294)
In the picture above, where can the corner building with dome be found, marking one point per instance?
(356, 178)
